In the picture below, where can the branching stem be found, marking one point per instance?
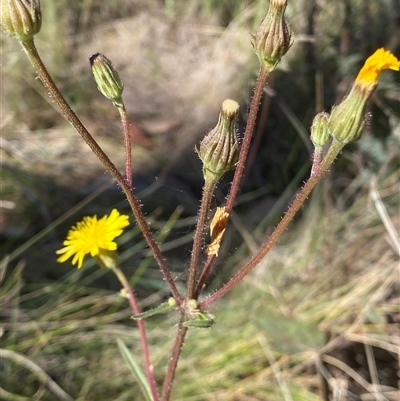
(66, 111)
(334, 150)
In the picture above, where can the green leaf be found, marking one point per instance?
(201, 320)
(140, 377)
(163, 308)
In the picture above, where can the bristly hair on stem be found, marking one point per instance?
(66, 111)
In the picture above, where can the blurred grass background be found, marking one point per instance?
(317, 320)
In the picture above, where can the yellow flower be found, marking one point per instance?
(347, 119)
(381, 60)
(92, 236)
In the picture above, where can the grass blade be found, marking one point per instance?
(140, 377)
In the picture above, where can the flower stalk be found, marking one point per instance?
(142, 330)
(111, 86)
(127, 144)
(66, 111)
(248, 134)
(218, 152)
(334, 150)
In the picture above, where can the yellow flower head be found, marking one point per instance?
(347, 119)
(381, 60)
(92, 236)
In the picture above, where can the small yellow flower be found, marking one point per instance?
(92, 236)
(381, 60)
(347, 119)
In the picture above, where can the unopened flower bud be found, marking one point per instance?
(220, 147)
(347, 119)
(108, 81)
(320, 130)
(274, 37)
(21, 19)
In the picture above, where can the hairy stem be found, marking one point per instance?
(66, 111)
(334, 150)
(248, 134)
(173, 361)
(203, 276)
(317, 156)
(208, 190)
(127, 145)
(142, 330)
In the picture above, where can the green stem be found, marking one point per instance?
(66, 111)
(208, 190)
(334, 150)
(142, 330)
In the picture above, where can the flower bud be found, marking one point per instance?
(197, 318)
(21, 19)
(274, 37)
(108, 81)
(219, 149)
(320, 130)
(347, 119)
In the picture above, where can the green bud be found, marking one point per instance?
(196, 317)
(219, 149)
(347, 119)
(108, 81)
(274, 37)
(201, 320)
(21, 19)
(320, 130)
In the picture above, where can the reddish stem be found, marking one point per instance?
(142, 330)
(127, 145)
(66, 111)
(317, 157)
(208, 190)
(248, 134)
(173, 362)
(334, 150)
(203, 277)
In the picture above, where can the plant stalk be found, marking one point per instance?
(248, 134)
(203, 276)
(66, 111)
(127, 145)
(208, 190)
(142, 330)
(334, 150)
(244, 150)
(173, 361)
